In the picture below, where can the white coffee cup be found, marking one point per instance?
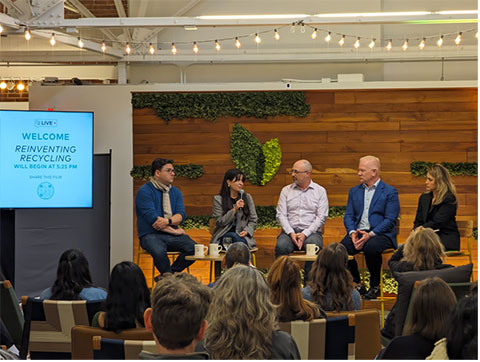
(312, 249)
(200, 250)
(215, 249)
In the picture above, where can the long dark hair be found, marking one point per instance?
(462, 331)
(128, 297)
(233, 175)
(73, 274)
(330, 280)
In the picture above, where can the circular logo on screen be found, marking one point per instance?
(45, 190)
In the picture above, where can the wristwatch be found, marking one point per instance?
(169, 222)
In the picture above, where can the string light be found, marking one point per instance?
(458, 39)
(3, 85)
(342, 41)
(372, 44)
(237, 43)
(21, 86)
(292, 28)
(28, 36)
(217, 46)
(151, 49)
(405, 45)
(421, 45)
(440, 41)
(302, 29)
(80, 43)
(104, 47)
(357, 43)
(314, 34)
(276, 35)
(195, 47)
(328, 37)
(389, 45)
(128, 50)
(52, 40)
(258, 40)
(174, 49)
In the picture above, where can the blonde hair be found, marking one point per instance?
(423, 249)
(241, 318)
(443, 182)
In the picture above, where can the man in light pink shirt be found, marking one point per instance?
(301, 212)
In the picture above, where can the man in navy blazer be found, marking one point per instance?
(370, 221)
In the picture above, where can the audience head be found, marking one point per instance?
(301, 173)
(241, 318)
(128, 297)
(177, 316)
(73, 274)
(330, 280)
(233, 180)
(439, 181)
(431, 306)
(369, 169)
(286, 291)
(462, 331)
(237, 253)
(423, 249)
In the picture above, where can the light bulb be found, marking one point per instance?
(372, 44)
(217, 46)
(3, 85)
(292, 28)
(28, 36)
(302, 29)
(52, 40)
(314, 34)
(440, 41)
(357, 43)
(276, 35)
(195, 47)
(10, 85)
(389, 45)
(20, 86)
(405, 45)
(174, 49)
(458, 39)
(1, 28)
(128, 50)
(151, 49)
(237, 43)
(421, 45)
(104, 47)
(341, 41)
(80, 43)
(258, 40)
(328, 37)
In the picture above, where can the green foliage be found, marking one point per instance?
(336, 211)
(266, 217)
(390, 285)
(273, 159)
(420, 168)
(190, 171)
(196, 222)
(211, 106)
(247, 154)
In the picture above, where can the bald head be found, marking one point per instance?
(301, 172)
(369, 170)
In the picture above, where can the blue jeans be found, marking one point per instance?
(157, 244)
(235, 238)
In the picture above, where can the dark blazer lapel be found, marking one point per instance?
(427, 205)
(376, 195)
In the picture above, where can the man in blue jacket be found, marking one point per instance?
(370, 220)
(160, 209)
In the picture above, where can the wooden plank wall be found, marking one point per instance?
(399, 126)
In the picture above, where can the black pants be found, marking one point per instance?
(373, 249)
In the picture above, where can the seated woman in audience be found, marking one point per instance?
(438, 206)
(331, 284)
(286, 291)
(73, 279)
(422, 250)
(431, 307)
(241, 320)
(234, 211)
(128, 297)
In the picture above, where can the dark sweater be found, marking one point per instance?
(413, 346)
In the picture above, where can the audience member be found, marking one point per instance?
(127, 298)
(177, 317)
(160, 209)
(302, 210)
(241, 320)
(431, 306)
(237, 253)
(286, 292)
(461, 341)
(73, 281)
(6, 340)
(437, 207)
(234, 211)
(370, 220)
(331, 286)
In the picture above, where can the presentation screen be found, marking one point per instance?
(46, 159)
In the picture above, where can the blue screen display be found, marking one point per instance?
(46, 159)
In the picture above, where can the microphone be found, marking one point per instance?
(241, 195)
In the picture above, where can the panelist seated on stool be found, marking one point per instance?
(370, 220)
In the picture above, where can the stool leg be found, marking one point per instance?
(382, 300)
(254, 260)
(363, 269)
(211, 269)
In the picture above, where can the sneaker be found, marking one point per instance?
(361, 289)
(373, 293)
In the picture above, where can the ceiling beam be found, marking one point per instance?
(141, 12)
(122, 14)
(12, 8)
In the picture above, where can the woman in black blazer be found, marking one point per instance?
(438, 206)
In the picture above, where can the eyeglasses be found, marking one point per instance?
(169, 170)
(296, 171)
